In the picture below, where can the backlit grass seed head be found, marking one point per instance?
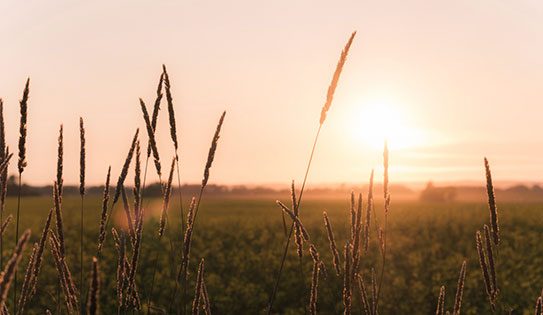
(333, 247)
(4, 163)
(440, 309)
(356, 238)
(187, 240)
(293, 198)
(5, 224)
(369, 209)
(6, 277)
(347, 280)
(335, 79)
(166, 200)
(295, 219)
(198, 288)
(205, 297)
(81, 157)
(3, 154)
(156, 108)
(103, 217)
(22, 128)
(495, 229)
(41, 249)
(314, 288)
(137, 182)
(484, 268)
(4, 179)
(385, 170)
(93, 306)
(151, 135)
(171, 112)
(27, 280)
(459, 290)
(352, 213)
(374, 291)
(131, 291)
(64, 276)
(120, 241)
(126, 166)
(314, 253)
(60, 161)
(58, 218)
(297, 231)
(490, 256)
(363, 294)
(212, 149)
(2, 131)
(128, 215)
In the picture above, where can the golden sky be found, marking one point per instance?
(447, 82)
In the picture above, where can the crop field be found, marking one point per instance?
(241, 241)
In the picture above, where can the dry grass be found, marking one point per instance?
(357, 249)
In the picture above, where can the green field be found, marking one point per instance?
(242, 242)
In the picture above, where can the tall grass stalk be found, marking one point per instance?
(154, 121)
(324, 111)
(93, 305)
(383, 233)
(120, 183)
(459, 290)
(21, 166)
(163, 221)
(205, 179)
(3, 178)
(173, 134)
(494, 227)
(82, 194)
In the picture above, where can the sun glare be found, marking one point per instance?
(376, 122)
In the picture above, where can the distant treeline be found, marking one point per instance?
(339, 191)
(431, 193)
(517, 193)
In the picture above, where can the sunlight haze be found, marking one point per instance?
(446, 83)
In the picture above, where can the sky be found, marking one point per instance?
(446, 82)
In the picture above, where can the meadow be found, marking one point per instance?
(241, 241)
(374, 256)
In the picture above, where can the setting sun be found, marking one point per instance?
(375, 122)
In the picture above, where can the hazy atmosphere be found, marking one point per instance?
(154, 156)
(431, 76)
